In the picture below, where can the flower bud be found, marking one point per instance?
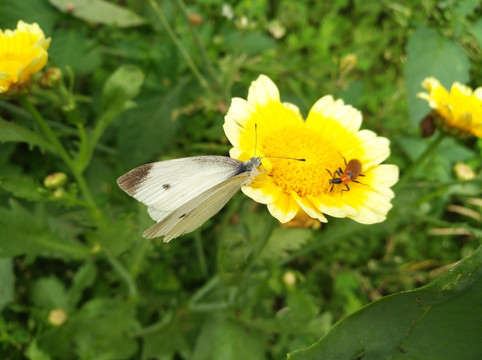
(51, 78)
(57, 317)
(464, 172)
(55, 180)
(289, 278)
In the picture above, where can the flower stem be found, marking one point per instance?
(52, 138)
(180, 47)
(421, 159)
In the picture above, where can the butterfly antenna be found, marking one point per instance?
(283, 157)
(272, 157)
(255, 138)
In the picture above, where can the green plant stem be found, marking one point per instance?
(180, 47)
(264, 238)
(206, 288)
(199, 44)
(200, 254)
(52, 138)
(153, 328)
(421, 159)
(140, 250)
(119, 268)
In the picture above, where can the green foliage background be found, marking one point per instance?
(147, 81)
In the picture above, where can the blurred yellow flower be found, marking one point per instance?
(303, 220)
(23, 52)
(459, 111)
(330, 135)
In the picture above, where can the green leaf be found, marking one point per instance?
(476, 30)
(147, 130)
(102, 329)
(28, 233)
(228, 340)
(301, 306)
(11, 132)
(33, 352)
(249, 42)
(123, 85)
(49, 293)
(7, 282)
(166, 342)
(29, 11)
(430, 54)
(99, 12)
(70, 47)
(438, 321)
(83, 279)
(24, 188)
(232, 257)
(465, 8)
(283, 240)
(116, 237)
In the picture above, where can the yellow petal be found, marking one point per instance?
(268, 193)
(309, 208)
(284, 209)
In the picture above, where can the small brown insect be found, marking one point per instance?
(352, 170)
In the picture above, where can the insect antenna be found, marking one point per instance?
(283, 157)
(255, 138)
(271, 157)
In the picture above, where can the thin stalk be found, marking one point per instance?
(52, 138)
(200, 254)
(420, 160)
(119, 268)
(199, 44)
(180, 47)
(139, 252)
(264, 238)
(153, 328)
(205, 289)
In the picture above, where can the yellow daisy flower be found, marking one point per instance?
(23, 52)
(330, 136)
(459, 110)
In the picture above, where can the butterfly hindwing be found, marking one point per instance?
(195, 212)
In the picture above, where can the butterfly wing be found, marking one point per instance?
(195, 212)
(165, 186)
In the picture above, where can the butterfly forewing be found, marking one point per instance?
(194, 213)
(166, 185)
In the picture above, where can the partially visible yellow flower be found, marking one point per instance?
(330, 135)
(23, 52)
(459, 110)
(303, 220)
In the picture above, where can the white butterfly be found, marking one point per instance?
(181, 194)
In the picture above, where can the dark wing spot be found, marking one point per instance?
(166, 186)
(131, 181)
(180, 217)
